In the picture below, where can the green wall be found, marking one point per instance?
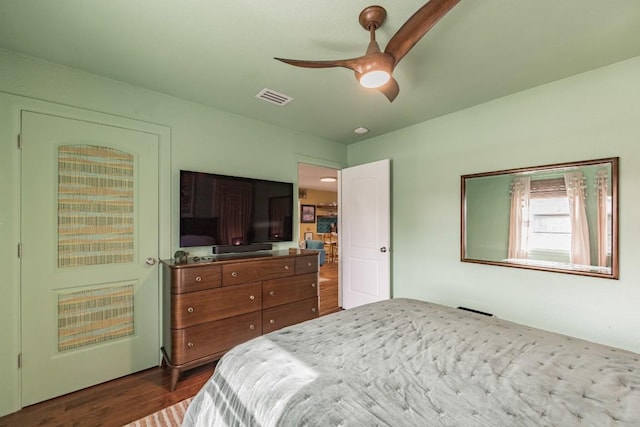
(487, 214)
(589, 116)
(201, 138)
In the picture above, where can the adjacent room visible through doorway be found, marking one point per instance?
(318, 227)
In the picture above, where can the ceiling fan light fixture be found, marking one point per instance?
(374, 68)
(374, 79)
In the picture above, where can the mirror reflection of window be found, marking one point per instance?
(550, 229)
(549, 216)
(552, 219)
(559, 217)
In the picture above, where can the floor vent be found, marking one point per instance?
(274, 97)
(476, 311)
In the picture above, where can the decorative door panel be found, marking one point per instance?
(90, 309)
(95, 205)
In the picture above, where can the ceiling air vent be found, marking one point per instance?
(274, 97)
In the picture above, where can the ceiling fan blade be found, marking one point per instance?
(352, 64)
(417, 26)
(390, 89)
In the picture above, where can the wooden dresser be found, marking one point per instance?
(215, 303)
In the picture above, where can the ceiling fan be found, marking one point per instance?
(374, 69)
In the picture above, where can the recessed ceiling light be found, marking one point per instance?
(361, 130)
(328, 179)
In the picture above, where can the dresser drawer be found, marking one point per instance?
(289, 289)
(306, 264)
(195, 278)
(199, 307)
(289, 314)
(214, 337)
(250, 271)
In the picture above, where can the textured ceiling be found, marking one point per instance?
(220, 53)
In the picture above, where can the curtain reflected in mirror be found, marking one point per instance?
(560, 217)
(280, 217)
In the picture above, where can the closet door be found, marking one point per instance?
(90, 241)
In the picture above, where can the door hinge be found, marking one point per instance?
(20, 141)
(19, 360)
(20, 250)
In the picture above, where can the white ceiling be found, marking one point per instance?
(220, 53)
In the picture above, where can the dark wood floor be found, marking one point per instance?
(113, 403)
(127, 399)
(328, 288)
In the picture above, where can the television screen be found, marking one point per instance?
(229, 210)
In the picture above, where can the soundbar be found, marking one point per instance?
(253, 247)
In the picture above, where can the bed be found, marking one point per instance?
(405, 362)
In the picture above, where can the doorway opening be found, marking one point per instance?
(318, 227)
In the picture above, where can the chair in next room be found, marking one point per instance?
(317, 245)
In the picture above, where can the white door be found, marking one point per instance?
(365, 233)
(89, 222)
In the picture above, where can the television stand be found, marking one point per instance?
(253, 247)
(212, 305)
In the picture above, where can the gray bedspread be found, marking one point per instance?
(410, 363)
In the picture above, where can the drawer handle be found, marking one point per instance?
(252, 327)
(309, 264)
(272, 293)
(313, 310)
(272, 321)
(190, 344)
(313, 285)
(252, 297)
(234, 274)
(190, 309)
(198, 279)
(286, 267)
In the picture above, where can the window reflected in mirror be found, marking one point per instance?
(560, 217)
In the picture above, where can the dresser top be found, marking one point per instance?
(235, 257)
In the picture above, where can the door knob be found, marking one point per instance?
(383, 249)
(150, 261)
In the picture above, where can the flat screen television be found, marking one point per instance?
(231, 210)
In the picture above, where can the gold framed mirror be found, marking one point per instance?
(561, 217)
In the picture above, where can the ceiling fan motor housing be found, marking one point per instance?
(379, 62)
(372, 15)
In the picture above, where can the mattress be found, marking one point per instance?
(405, 362)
